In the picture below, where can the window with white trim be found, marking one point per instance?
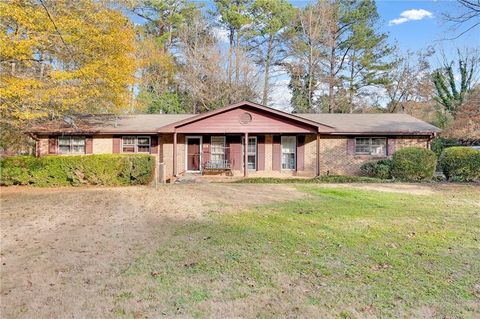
(71, 145)
(371, 146)
(217, 153)
(289, 152)
(136, 144)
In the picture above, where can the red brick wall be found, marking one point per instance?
(335, 158)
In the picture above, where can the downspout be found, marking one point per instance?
(159, 164)
(175, 153)
(245, 156)
(318, 154)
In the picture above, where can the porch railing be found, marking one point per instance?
(216, 165)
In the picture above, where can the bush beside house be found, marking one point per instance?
(460, 164)
(105, 169)
(377, 169)
(414, 164)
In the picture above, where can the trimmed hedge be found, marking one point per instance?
(414, 164)
(377, 169)
(105, 169)
(460, 164)
(321, 179)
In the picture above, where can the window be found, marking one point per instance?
(217, 158)
(289, 148)
(136, 144)
(71, 145)
(251, 152)
(371, 146)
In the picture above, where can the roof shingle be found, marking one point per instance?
(151, 123)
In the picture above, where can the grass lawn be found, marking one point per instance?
(339, 253)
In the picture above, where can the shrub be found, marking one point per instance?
(319, 179)
(105, 169)
(378, 169)
(414, 164)
(441, 143)
(460, 163)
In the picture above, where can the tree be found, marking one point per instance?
(409, 81)
(305, 39)
(366, 65)
(342, 52)
(203, 74)
(466, 125)
(468, 17)
(234, 15)
(63, 57)
(450, 93)
(265, 37)
(158, 41)
(300, 83)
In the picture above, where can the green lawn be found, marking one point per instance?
(340, 253)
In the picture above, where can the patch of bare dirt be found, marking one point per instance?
(62, 249)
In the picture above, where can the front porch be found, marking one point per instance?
(245, 139)
(273, 155)
(210, 154)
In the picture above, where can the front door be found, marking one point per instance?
(193, 153)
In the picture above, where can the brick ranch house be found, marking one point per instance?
(278, 144)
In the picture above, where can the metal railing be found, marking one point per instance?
(212, 165)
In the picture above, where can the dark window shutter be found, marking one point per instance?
(261, 152)
(52, 145)
(351, 146)
(300, 152)
(235, 144)
(206, 149)
(154, 145)
(88, 145)
(390, 146)
(276, 153)
(116, 144)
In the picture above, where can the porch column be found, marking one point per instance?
(175, 154)
(245, 156)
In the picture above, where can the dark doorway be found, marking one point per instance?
(193, 153)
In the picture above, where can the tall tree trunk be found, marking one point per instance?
(310, 79)
(237, 62)
(230, 51)
(350, 88)
(331, 81)
(266, 80)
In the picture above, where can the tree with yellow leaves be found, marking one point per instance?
(61, 57)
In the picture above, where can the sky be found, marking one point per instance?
(412, 25)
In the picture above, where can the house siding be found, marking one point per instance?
(102, 145)
(42, 146)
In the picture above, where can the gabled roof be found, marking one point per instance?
(170, 128)
(378, 123)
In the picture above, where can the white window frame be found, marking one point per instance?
(222, 147)
(294, 152)
(135, 144)
(249, 153)
(370, 139)
(70, 138)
